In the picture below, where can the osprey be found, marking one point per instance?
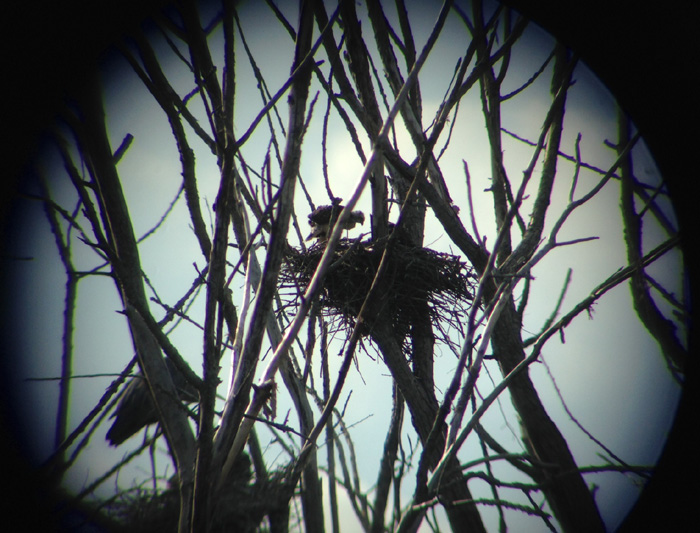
(324, 217)
(136, 409)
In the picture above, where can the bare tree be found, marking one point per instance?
(269, 310)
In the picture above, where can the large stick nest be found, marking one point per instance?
(239, 506)
(418, 283)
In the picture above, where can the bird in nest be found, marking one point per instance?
(324, 217)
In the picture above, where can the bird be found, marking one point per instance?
(136, 409)
(323, 218)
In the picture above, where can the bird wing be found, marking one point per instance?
(322, 215)
(136, 409)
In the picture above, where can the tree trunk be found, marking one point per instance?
(423, 407)
(566, 491)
